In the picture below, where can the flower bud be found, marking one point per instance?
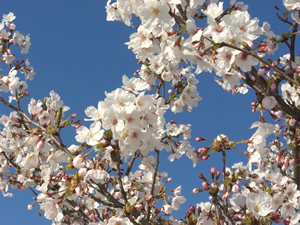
(273, 86)
(235, 188)
(195, 190)
(138, 206)
(205, 185)
(218, 174)
(198, 139)
(213, 172)
(201, 176)
(192, 208)
(118, 195)
(40, 144)
(148, 197)
(226, 195)
(214, 185)
(168, 180)
(261, 72)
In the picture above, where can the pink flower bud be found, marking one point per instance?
(118, 195)
(78, 191)
(40, 144)
(200, 175)
(141, 173)
(12, 26)
(273, 86)
(205, 185)
(234, 90)
(235, 188)
(138, 206)
(261, 72)
(168, 180)
(292, 122)
(148, 87)
(284, 168)
(148, 197)
(214, 185)
(226, 195)
(30, 207)
(218, 174)
(195, 190)
(213, 172)
(82, 172)
(198, 139)
(277, 158)
(170, 91)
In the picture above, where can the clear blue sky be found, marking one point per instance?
(79, 55)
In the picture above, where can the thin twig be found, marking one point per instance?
(153, 181)
(118, 176)
(130, 164)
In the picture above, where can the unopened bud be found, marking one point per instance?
(261, 72)
(198, 139)
(201, 176)
(214, 185)
(218, 174)
(148, 197)
(235, 188)
(273, 86)
(138, 206)
(213, 172)
(195, 190)
(205, 185)
(168, 180)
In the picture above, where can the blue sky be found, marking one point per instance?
(80, 55)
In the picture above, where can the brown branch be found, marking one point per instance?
(27, 119)
(130, 164)
(182, 13)
(12, 162)
(73, 204)
(115, 202)
(262, 60)
(153, 183)
(118, 176)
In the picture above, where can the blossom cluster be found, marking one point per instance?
(94, 183)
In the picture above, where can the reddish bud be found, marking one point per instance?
(198, 139)
(213, 172)
(148, 197)
(192, 208)
(205, 185)
(235, 188)
(273, 86)
(196, 191)
(201, 176)
(261, 72)
(218, 174)
(214, 185)
(138, 206)
(254, 176)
